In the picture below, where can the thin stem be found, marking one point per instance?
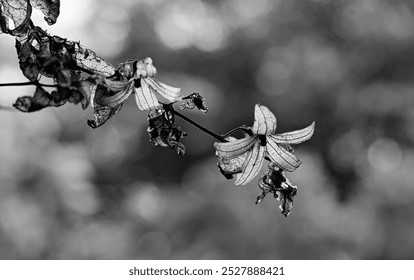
(243, 128)
(202, 128)
(26, 84)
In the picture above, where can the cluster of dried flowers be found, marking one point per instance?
(81, 76)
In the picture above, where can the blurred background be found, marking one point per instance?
(70, 192)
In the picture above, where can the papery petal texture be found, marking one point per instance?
(120, 96)
(252, 164)
(294, 137)
(281, 157)
(145, 97)
(234, 148)
(264, 121)
(170, 93)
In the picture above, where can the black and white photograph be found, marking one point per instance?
(207, 130)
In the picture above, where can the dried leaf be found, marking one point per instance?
(234, 148)
(19, 11)
(63, 77)
(194, 100)
(252, 164)
(264, 121)
(101, 113)
(284, 159)
(294, 137)
(49, 8)
(88, 59)
(285, 197)
(229, 167)
(275, 181)
(162, 131)
(127, 69)
(38, 101)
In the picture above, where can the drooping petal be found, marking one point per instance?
(145, 98)
(119, 97)
(168, 92)
(294, 137)
(264, 121)
(282, 158)
(252, 164)
(234, 148)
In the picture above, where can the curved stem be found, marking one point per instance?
(26, 84)
(199, 126)
(242, 128)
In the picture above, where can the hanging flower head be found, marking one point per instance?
(134, 76)
(245, 156)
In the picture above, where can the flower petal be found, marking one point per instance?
(282, 158)
(234, 148)
(294, 137)
(119, 97)
(252, 165)
(145, 98)
(168, 92)
(264, 121)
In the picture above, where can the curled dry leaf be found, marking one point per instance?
(19, 11)
(38, 101)
(89, 60)
(194, 100)
(275, 181)
(101, 113)
(49, 8)
(163, 132)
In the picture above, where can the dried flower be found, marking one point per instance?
(275, 181)
(139, 80)
(260, 143)
(162, 131)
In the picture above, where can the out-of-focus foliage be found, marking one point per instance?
(67, 191)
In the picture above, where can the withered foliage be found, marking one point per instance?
(80, 76)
